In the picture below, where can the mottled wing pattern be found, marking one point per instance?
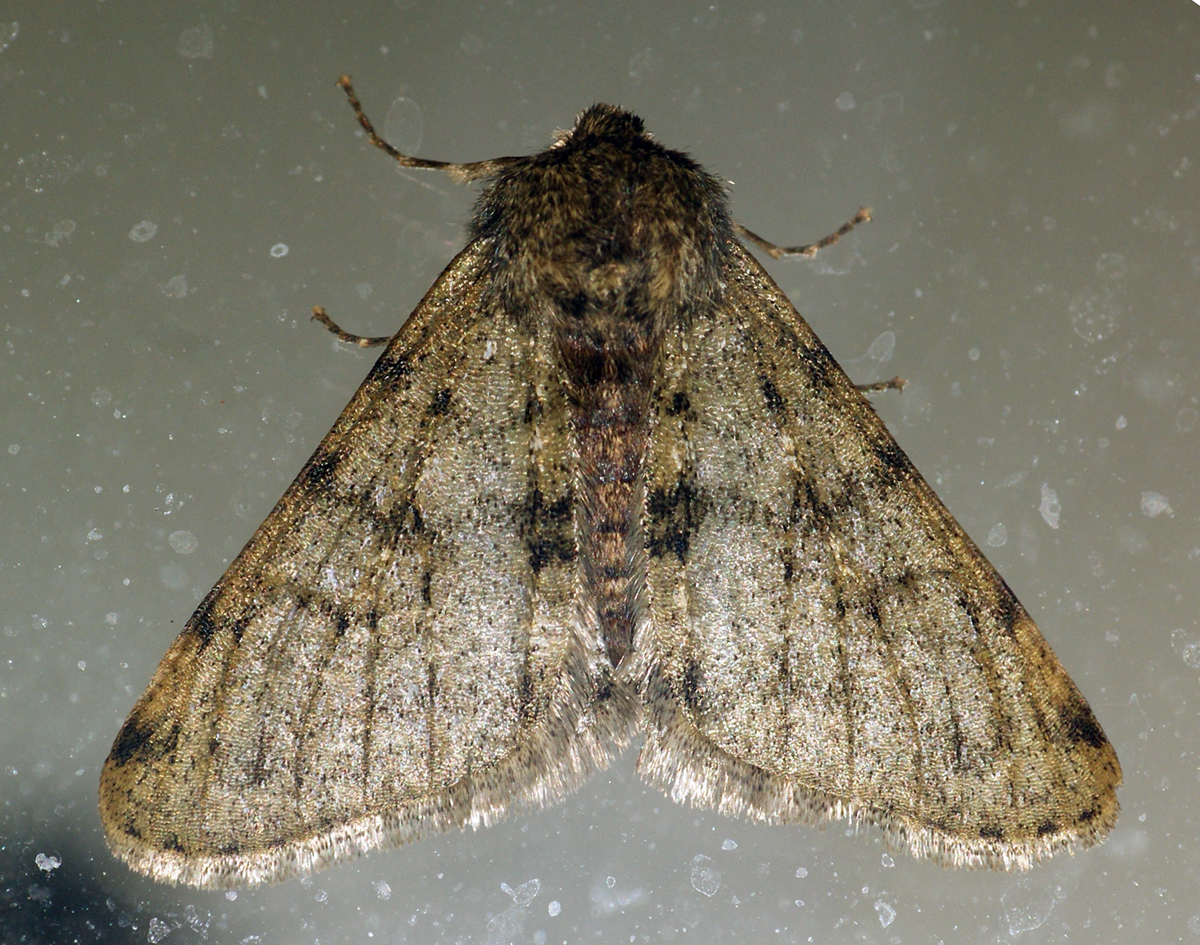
(823, 639)
(393, 652)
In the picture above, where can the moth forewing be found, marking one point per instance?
(827, 641)
(604, 479)
(384, 658)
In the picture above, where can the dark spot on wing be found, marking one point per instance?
(679, 404)
(427, 588)
(692, 685)
(891, 458)
(820, 366)
(441, 403)
(889, 453)
(141, 739)
(258, 767)
(131, 741)
(775, 401)
(808, 503)
(991, 833)
(1003, 611)
(321, 471)
(202, 626)
(548, 529)
(400, 367)
(956, 738)
(871, 610)
(1046, 828)
(405, 519)
(673, 516)
(1080, 725)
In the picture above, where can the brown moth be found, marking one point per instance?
(604, 481)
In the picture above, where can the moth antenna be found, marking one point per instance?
(320, 315)
(459, 173)
(808, 251)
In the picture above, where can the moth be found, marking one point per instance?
(604, 481)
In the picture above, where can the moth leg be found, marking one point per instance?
(809, 250)
(460, 173)
(896, 383)
(320, 315)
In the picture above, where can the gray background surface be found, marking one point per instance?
(1033, 172)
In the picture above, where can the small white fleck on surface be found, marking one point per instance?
(158, 930)
(183, 542)
(1155, 504)
(143, 232)
(705, 879)
(1050, 507)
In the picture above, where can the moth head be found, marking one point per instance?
(603, 121)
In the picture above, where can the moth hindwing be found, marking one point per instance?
(604, 480)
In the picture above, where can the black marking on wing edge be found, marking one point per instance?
(891, 458)
(821, 368)
(139, 738)
(321, 471)
(202, 626)
(1081, 725)
(131, 740)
